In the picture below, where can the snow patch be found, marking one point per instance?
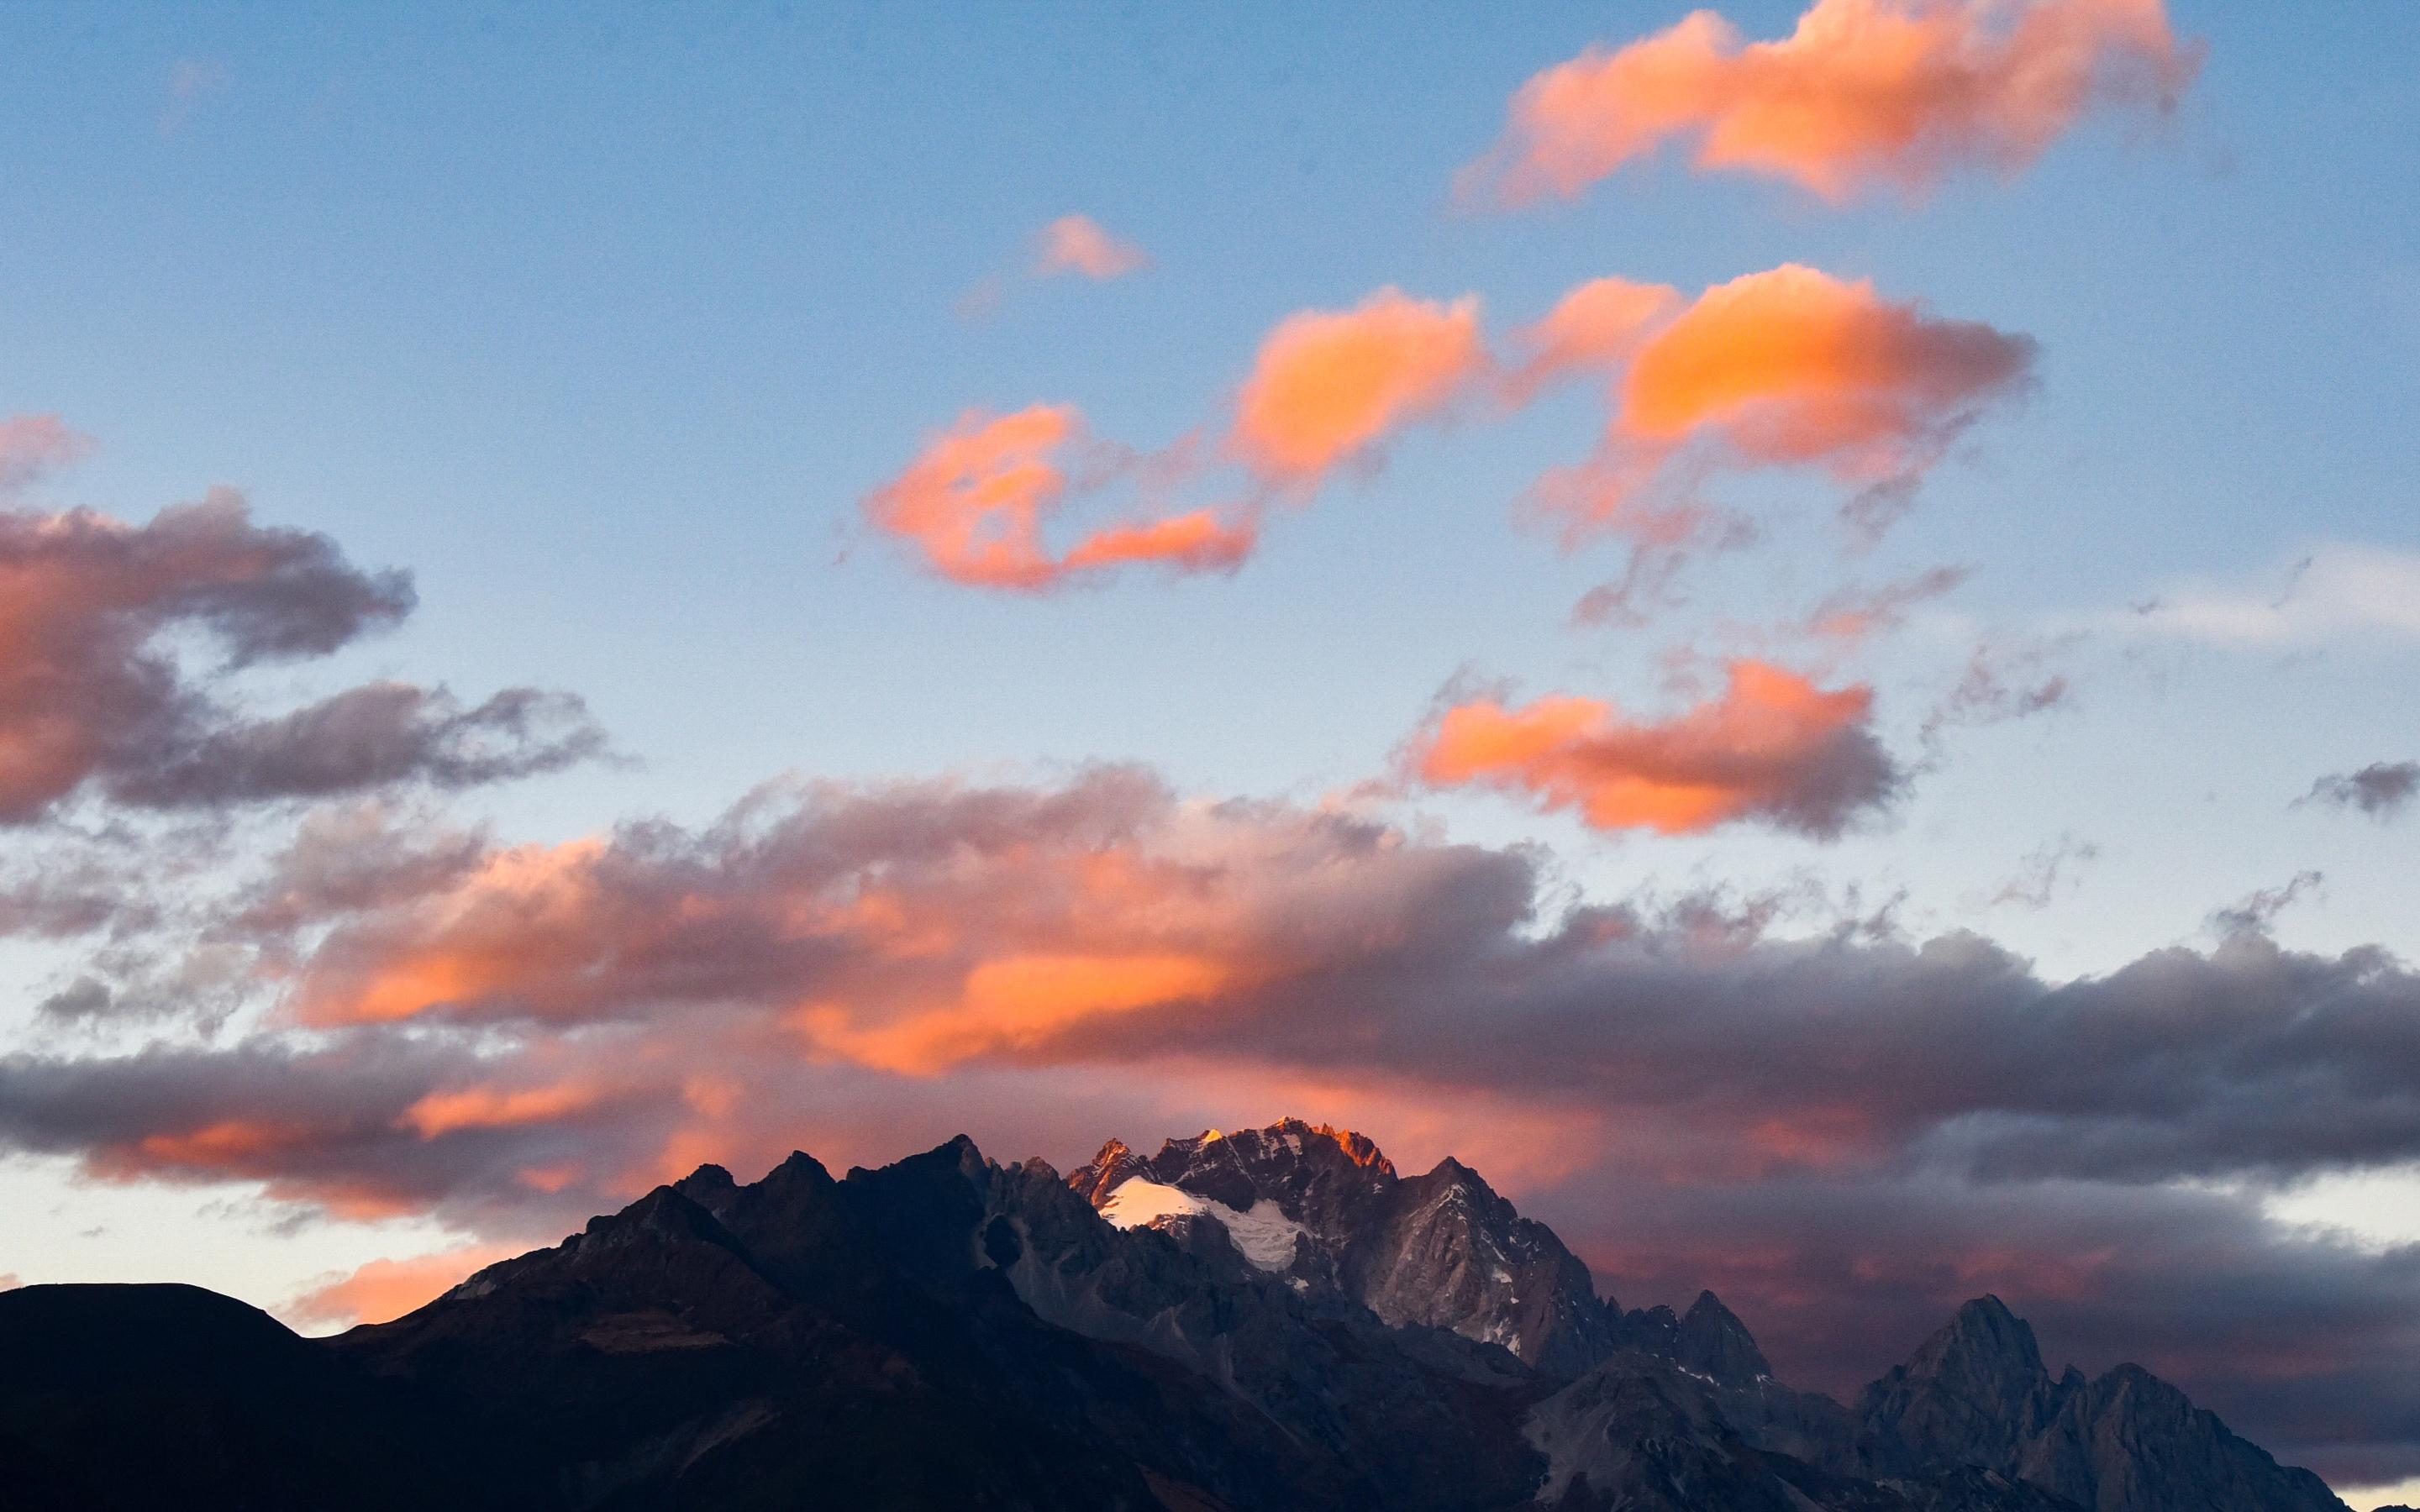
(1264, 1235)
(1136, 1203)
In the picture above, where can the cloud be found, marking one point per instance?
(1077, 244)
(378, 735)
(1773, 748)
(1842, 1129)
(1853, 615)
(2046, 873)
(1786, 368)
(909, 930)
(2382, 790)
(2257, 912)
(2340, 590)
(1596, 327)
(34, 446)
(101, 621)
(1329, 386)
(1864, 94)
(974, 502)
(1792, 367)
(2003, 681)
(382, 1290)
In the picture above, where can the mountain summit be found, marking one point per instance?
(1271, 1319)
(1324, 1208)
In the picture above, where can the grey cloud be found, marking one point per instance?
(122, 637)
(2382, 790)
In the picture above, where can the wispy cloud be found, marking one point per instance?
(2340, 590)
(2382, 790)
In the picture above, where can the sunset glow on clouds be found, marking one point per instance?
(1596, 327)
(384, 1289)
(1791, 367)
(975, 500)
(1864, 94)
(1772, 748)
(1786, 368)
(1329, 386)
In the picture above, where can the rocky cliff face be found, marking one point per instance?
(1239, 1322)
(1441, 1250)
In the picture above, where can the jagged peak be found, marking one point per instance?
(664, 1211)
(958, 1151)
(1712, 1341)
(1982, 1332)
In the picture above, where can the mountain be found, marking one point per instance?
(1977, 1394)
(1272, 1319)
(1324, 1208)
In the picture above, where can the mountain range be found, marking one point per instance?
(1270, 1318)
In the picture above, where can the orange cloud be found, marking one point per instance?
(974, 502)
(491, 1108)
(1773, 748)
(1597, 326)
(1020, 1003)
(1329, 385)
(1791, 366)
(1077, 244)
(383, 1290)
(1864, 94)
(1198, 541)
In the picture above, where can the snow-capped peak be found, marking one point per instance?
(1264, 1234)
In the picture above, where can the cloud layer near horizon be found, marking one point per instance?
(506, 1035)
(1863, 95)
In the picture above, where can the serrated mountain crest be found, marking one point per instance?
(1324, 1207)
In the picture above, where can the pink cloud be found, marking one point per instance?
(34, 446)
(1077, 245)
(974, 502)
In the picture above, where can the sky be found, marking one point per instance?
(1793, 633)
